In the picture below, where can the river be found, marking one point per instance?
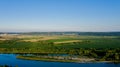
(10, 59)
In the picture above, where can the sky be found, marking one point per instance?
(59, 15)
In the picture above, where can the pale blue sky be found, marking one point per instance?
(59, 15)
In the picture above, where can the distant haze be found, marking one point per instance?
(59, 15)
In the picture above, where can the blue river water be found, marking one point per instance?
(10, 59)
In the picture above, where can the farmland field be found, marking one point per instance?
(32, 41)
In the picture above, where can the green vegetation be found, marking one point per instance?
(101, 48)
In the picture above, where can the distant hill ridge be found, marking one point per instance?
(66, 33)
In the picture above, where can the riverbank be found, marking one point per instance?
(44, 59)
(58, 59)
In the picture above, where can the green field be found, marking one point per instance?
(62, 42)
